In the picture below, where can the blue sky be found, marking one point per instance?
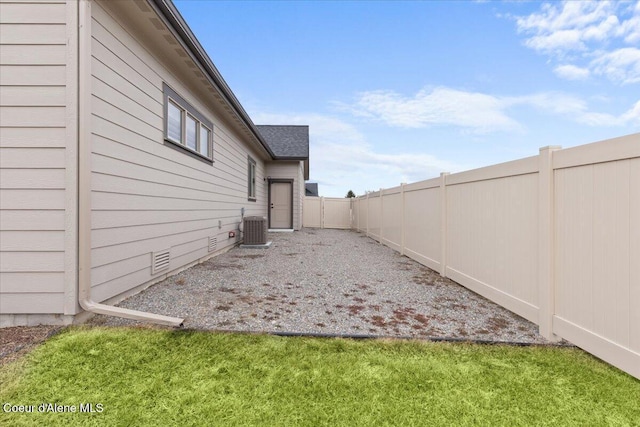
(401, 91)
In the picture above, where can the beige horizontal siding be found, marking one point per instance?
(32, 116)
(114, 254)
(32, 262)
(59, 2)
(147, 196)
(104, 164)
(124, 79)
(32, 96)
(122, 268)
(30, 303)
(151, 113)
(124, 185)
(25, 13)
(32, 158)
(26, 241)
(47, 137)
(32, 282)
(32, 178)
(22, 34)
(122, 118)
(146, 109)
(34, 130)
(115, 218)
(32, 199)
(115, 140)
(115, 236)
(132, 66)
(134, 202)
(24, 75)
(32, 220)
(32, 54)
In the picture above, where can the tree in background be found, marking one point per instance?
(350, 194)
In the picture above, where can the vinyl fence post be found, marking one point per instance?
(368, 214)
(351, 214)
(546, 285)
(322, 212)
(443, 223)
(381, 217)
(355, 212)
(402, 219)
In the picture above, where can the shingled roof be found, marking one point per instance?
(286, 142)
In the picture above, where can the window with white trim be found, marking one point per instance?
(251, 179)
(185, 127)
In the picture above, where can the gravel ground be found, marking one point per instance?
(327, 282)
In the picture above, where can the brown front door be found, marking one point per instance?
(281, 205)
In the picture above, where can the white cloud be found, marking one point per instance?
(577, 110)
(556, 41)
(622, 65)
(569, 24)
(591, 34)
(549, 102)
(571, 72)
(477, 112)
(342, 159)
(631, 27)
(631, 117)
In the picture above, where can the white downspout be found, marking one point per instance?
(84, 183)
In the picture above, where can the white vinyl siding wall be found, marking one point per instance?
(291, 170)
(147, 196)
(38, 72)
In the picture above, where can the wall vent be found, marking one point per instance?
(213, 243)
(160, 261)
(255, 230)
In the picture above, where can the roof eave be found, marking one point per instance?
(290, 158)
(174, 18)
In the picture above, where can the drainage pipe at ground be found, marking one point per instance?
(84, 184)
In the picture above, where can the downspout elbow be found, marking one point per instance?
(109, 310)
(84, 183)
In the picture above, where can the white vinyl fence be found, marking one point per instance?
(554, 238)
(326, 212)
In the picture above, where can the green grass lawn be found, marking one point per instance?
(165, 378)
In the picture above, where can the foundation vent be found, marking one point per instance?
(160, 261)
(255, 230)
(213, 243)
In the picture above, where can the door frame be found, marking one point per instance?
(280, 181)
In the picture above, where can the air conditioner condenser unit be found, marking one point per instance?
(255, 230)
